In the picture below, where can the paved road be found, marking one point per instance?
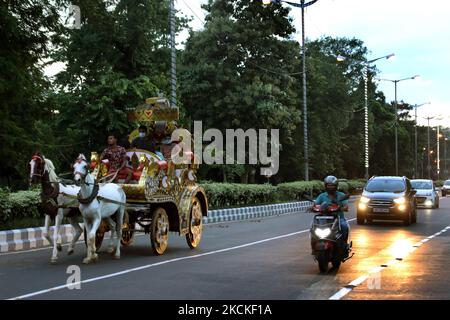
(260, 259)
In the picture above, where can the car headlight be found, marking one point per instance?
(364, 200)
(323, 233)
(362, 206)
(428, 203)
(401, 200)
(402, 207)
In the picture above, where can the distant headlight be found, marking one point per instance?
(323, 233)
(428, 203)
(401, 200)
(364, 200)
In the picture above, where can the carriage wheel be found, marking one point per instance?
(127, 234)
(196, 224)
(159, 235)
(99, 235)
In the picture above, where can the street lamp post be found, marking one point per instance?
(366, 107)
(173, 62)
(396, 116)
(428, 147)
(303, 4)
(415, 136)
(445, 159)
(438, 166)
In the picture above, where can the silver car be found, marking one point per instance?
(446, 188)
(427, 196)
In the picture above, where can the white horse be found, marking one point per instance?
(98, 202)
(43, 170)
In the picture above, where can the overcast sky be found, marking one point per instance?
(418, 32)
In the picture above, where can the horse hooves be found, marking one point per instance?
(58, 247)
(116, 257)
(54, 261)
(87, 261)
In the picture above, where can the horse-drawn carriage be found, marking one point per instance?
(162, 194)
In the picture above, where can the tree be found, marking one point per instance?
(28, 30)
(237, 71)
(118, 57)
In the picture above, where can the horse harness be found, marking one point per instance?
(49, 202)
(94, 196)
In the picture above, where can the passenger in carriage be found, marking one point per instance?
(116, 157)
(143, 141)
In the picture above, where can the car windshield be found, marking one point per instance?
(385, 185)
(447, 183)
(421, 185)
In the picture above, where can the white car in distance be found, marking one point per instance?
(427, 196)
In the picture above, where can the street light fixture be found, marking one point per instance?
(415, 136)
(396, 115)
(303, 4)
(366, 64)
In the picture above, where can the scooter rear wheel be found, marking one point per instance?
(322, 259)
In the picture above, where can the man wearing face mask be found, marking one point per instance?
(143, 142)
(332, 195)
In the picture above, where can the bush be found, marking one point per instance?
(18, 205)
(298, 190)
(233, 194)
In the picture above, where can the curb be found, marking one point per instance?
(31, 238)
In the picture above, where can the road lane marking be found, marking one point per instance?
(348, 288)
(115, 274)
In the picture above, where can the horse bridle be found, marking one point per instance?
(83, 175)
(36, 157)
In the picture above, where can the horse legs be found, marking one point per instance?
(56, 241)
(78, 232)
(47, 230)
(112, 227)
(120, 215)
(91, 233)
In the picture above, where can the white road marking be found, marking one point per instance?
(347, 289)
(115, 274)
(340, 294)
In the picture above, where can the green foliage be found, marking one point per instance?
(222, 195)
(28, 30)
(18, 205)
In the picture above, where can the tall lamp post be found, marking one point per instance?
(415, 136)
(303, 4)
(445, 158)
(366, 106)
(396, 116)
(173, 62)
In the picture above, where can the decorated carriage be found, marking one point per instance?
(162, 194)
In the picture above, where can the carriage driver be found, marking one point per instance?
(116, 157)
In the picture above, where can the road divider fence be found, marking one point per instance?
(31, 238)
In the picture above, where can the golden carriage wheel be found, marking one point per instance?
(127, 233)
(99, 235)
(159, 235)
(194, 235)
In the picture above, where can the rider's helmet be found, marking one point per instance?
(331, 184)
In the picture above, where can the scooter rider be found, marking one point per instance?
(332, 195)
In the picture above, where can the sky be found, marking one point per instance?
(418, 32)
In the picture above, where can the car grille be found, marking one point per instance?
(381, 203)
(421, 199)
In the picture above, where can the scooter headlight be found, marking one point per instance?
(323, 233)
